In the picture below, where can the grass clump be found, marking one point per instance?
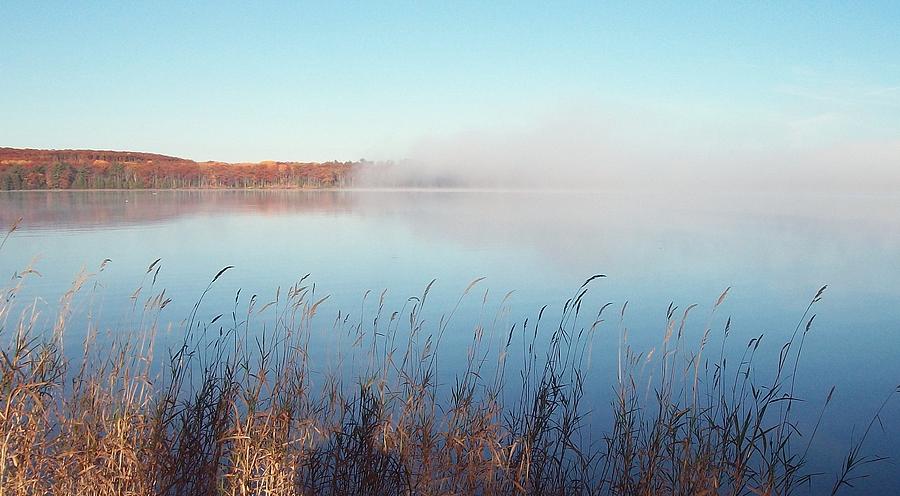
(237, 407)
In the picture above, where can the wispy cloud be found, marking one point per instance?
(849, 94)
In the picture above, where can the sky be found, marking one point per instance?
(628, 84)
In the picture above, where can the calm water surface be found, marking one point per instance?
(773, 251)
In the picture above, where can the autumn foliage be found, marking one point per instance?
(92, 169)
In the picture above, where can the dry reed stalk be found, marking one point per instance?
(239, 410)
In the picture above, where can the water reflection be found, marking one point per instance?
(111, 209)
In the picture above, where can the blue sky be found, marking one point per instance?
(310, 81)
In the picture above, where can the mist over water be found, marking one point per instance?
(610, 247)
(638, 150)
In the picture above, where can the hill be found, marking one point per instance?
(104, 169)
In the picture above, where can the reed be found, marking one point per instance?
(239, 408)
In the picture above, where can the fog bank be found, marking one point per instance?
(589, 149)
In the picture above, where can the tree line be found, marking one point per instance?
(100, 174)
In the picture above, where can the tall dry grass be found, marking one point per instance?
(239, 409)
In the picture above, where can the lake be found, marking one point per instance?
(773, 252)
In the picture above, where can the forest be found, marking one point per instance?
(24, 169)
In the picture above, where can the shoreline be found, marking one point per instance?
(482, 190)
